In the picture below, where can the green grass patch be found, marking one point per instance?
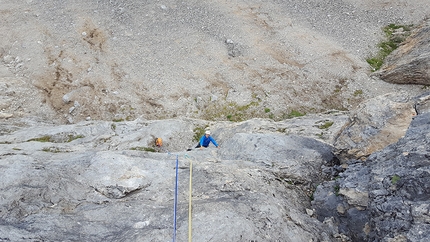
(45, 138)
(267, 110)
(231, 111)
(395, 179)
(294, 114)
(326, 125)
(358, 92)
(336, 190)
(51, 149)
(199, 131)
(140, 148)
(73, 137)
(393, 40)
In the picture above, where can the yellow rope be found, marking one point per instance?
(190, 203)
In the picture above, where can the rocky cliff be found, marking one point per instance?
(410, 63)
(86, 87)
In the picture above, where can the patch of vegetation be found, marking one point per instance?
(395, 179)
(266, 110)
(15, 148)
(73, 137)
(358, 92)
(113, 127)
(51, 149)
(199, 131)
(294, 114)
(326, 125)
(118, 120)
(5, 142)
(45, 138)
(336, 190)
(393, 40)
(231, 111)
(140, 148)
(282, 130)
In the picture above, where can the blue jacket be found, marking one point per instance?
(205, 141)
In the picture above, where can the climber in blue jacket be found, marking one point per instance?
(205, 140)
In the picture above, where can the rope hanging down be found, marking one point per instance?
(175, 201)
(190, 202)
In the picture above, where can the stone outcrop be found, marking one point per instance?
(410, 63)
(384, 198)
(375, 124)
(93, 181)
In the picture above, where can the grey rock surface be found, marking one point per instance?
(376, 123)
(386, 197)
(110, 69)
(409, 64)
(95, 187)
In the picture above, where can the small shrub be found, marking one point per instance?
(388, 46)
(72, 137)
(395, 179)
(266, 110)
(358, 92)
(295, 113)
(282, 130)
(51, 149)
(326, 125)
(336, 190)
(46, 138)
(198, 133)
(148, 149)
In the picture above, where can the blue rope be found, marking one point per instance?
(175, 201)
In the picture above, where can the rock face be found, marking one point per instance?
(375, 124)
(386, 197)
(410, 63)
(90, 182)
(270, 181)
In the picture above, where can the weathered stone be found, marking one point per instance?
(6, 115)
(397, 181)
(409, 64)
(375, 124)
(95, 186)
(354, 197)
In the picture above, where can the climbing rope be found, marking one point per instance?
(175, 201)
(190, 201)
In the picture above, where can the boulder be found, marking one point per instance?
(409, 64)
(374, 124)
(387, 195)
